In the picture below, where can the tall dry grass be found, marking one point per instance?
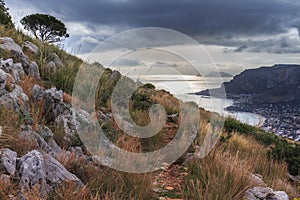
(218, 176)
(255, 156)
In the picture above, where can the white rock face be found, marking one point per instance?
(14, 50)
(57, 61)
(14, 69)
(72, 123)
(265, 193)
(30, 48)
(34, 70)
(8, 161)
(18, 63)
(37, 93)
(43, 169)
(5, 78)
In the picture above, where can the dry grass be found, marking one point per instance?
(225, 172)
(10, 122)
(27, 83)
(34, 193)
(255, 157)
(218, 176)
(8, 189)
(18, 36)
(111, 184)
(70, 191)
(103, 183)
(167, 100)
(128, 143)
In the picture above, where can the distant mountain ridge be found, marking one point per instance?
(218, 74)
(277, 84)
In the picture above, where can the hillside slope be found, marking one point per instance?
(43, 157)
(276, 84)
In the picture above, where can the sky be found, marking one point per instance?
(237, 34)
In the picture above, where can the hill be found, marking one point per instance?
(277, 84)
(43, 157)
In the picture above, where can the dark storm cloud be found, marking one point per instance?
(209, 21)
(189, 16)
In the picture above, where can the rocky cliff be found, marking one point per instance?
(277, 84)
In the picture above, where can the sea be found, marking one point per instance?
(184, 87)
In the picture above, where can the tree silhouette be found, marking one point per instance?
(45, 27)
(5, 18)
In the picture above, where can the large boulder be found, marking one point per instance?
(33, 70)
(37, 93)
(70, 125)
(12, 96)
(6, 82)
(55, 58)
(42, 169)
(265, 193)
(14, 69)
(30, 49)
(42, 139)
(53, 104)
(28, 134)
(10, 49)
(8, 161)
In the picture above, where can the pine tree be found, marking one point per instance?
(5, 18)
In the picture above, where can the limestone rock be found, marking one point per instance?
(14, 69)
(54, 58)
(45, 132)
(37, 168)
(8, 161)
(37, 93)
(6, 82)
(50, 66)
(28, 134)
(34, 70)
(15, 99)
(30, 49)
(257, 179)
(71, 123)
(265, 193)
(13, 50)
(53, 104)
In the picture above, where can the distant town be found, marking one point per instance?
(281, 119)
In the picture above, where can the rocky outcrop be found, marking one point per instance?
(14, 69)
(54, 62)
(276, 84)
(7, 82)
(18, 63)
(67, 121)
(30, 49)
(8, 161)
(54, 58)
(53, 104)
(37, 168)
(265, 193)
(71, 124)
(11, 95)
(13, 50)
(33, 70)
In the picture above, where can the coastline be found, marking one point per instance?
(281, 119)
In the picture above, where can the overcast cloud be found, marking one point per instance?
(231, 26)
